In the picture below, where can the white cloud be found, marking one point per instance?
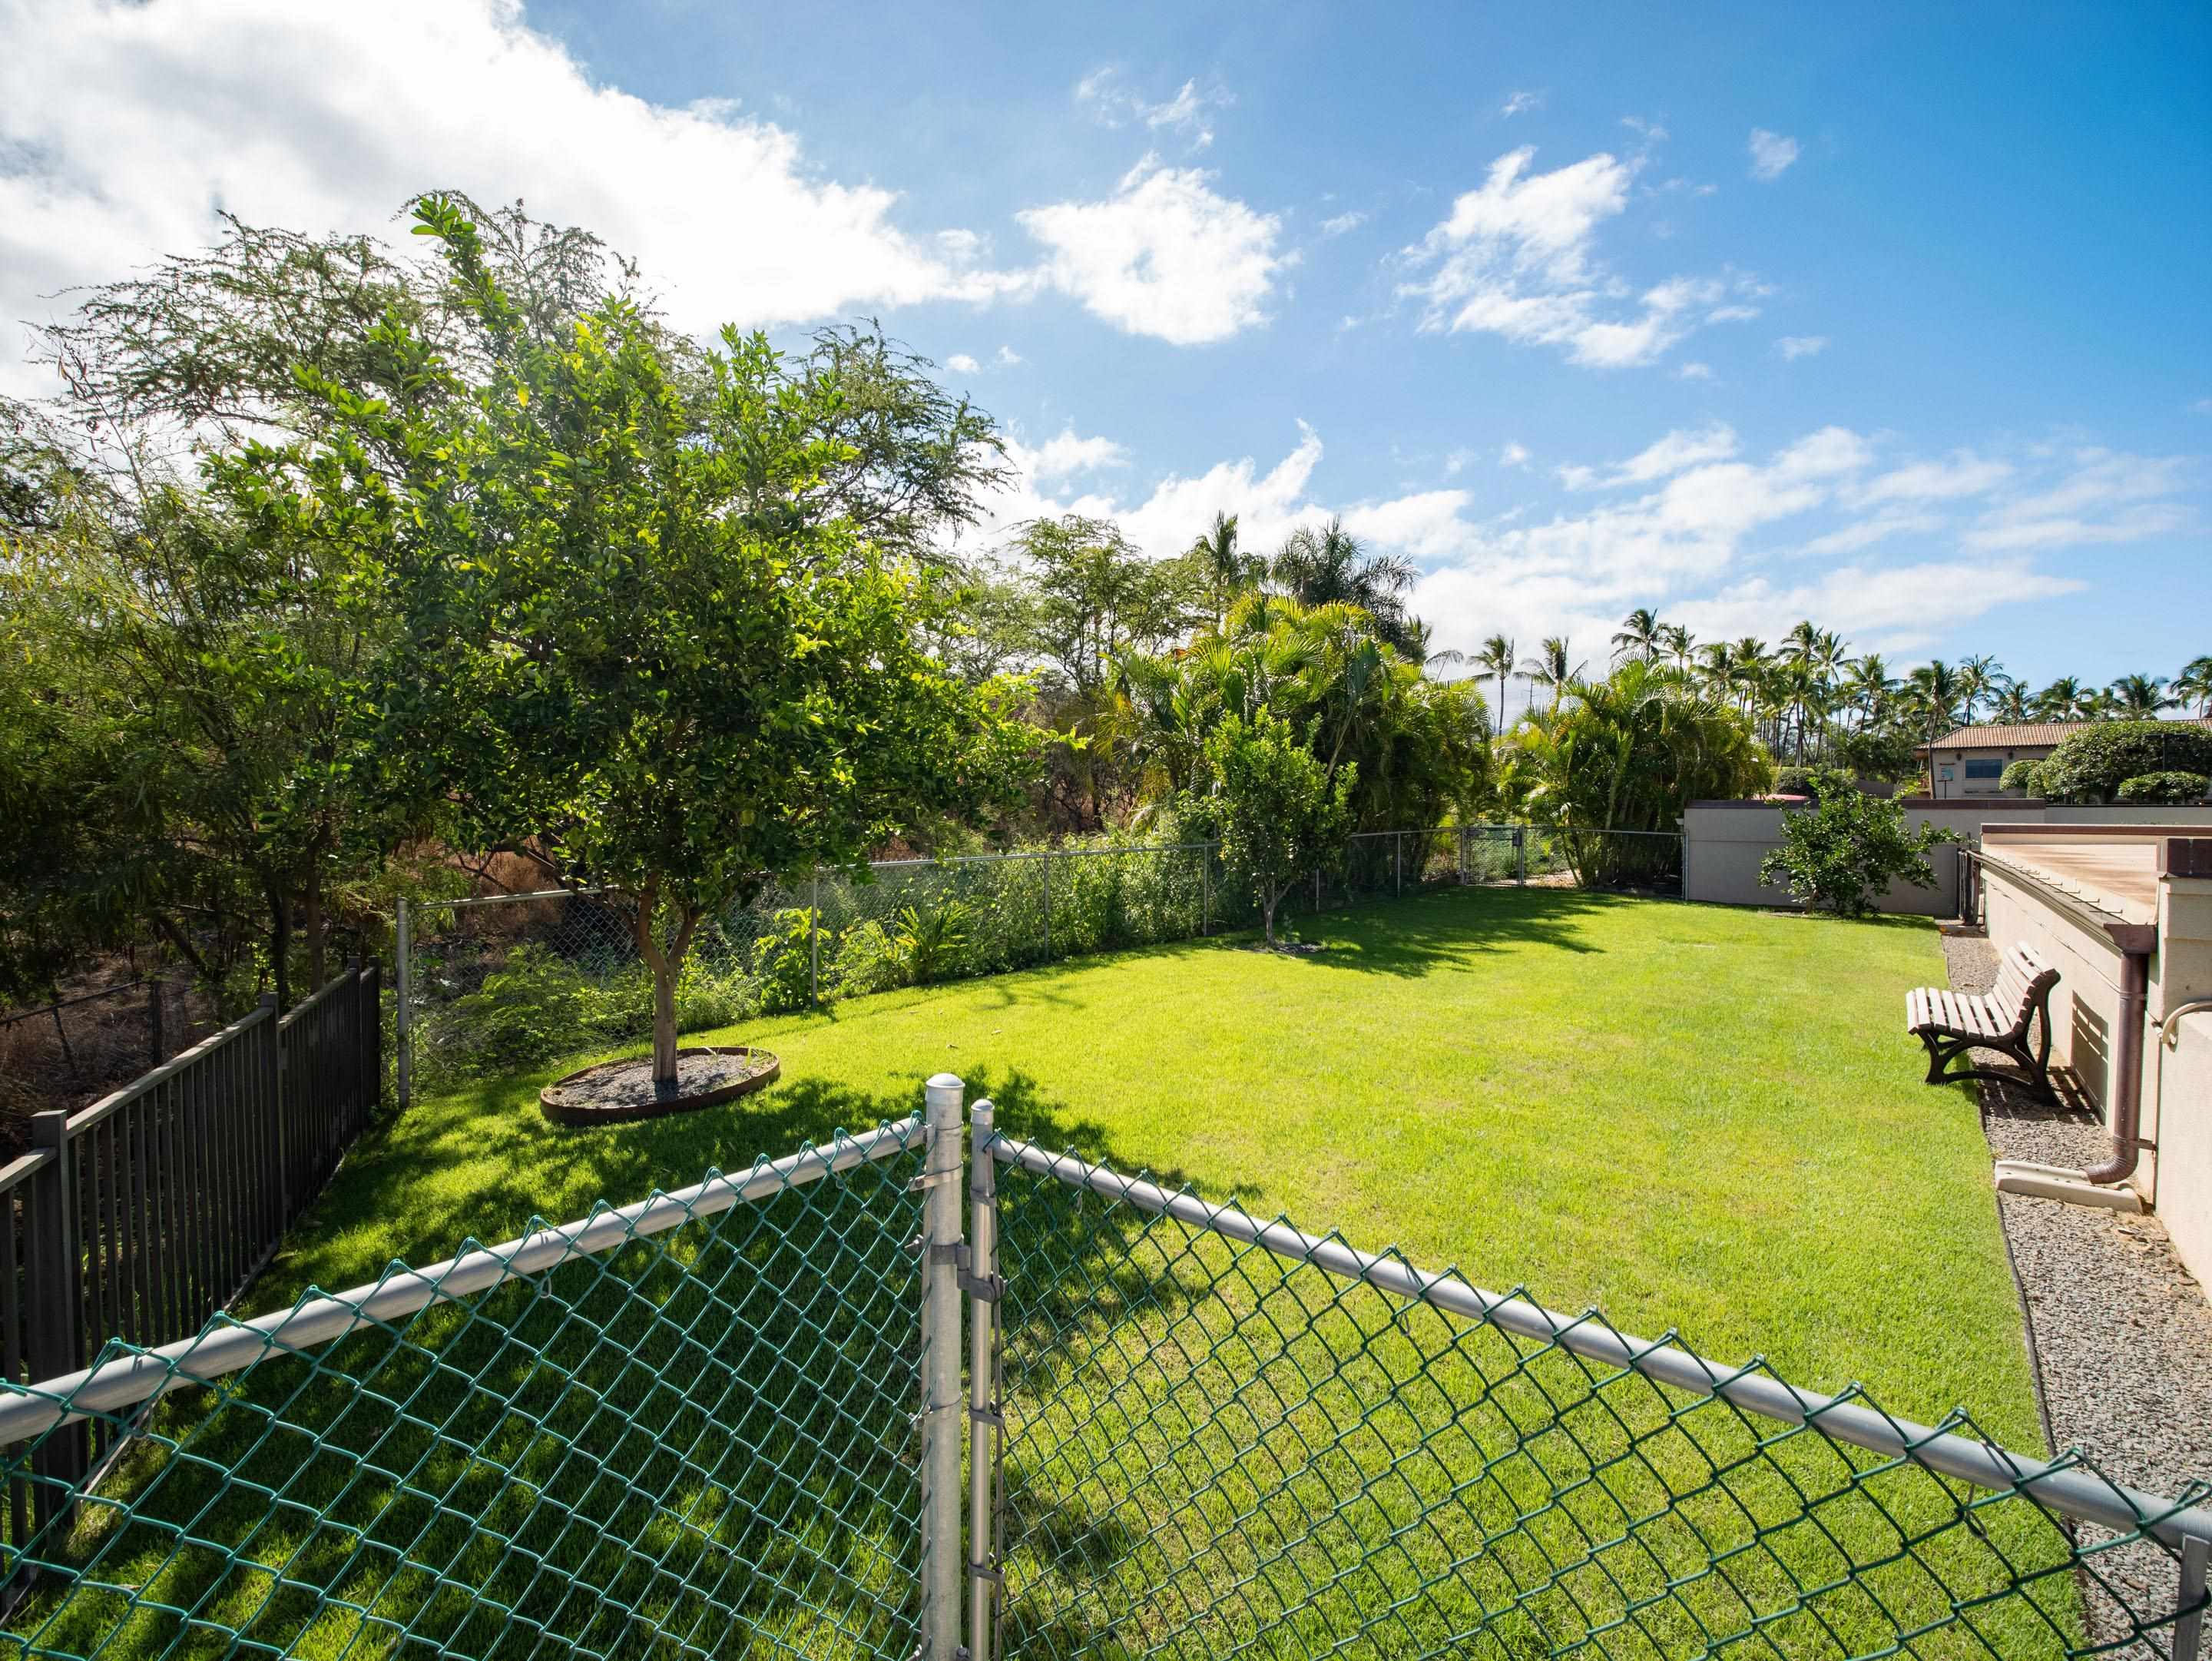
(1964, 474)
(1670, 454)
(1772, 154)
(1185, 113)
(2100, 497)
(1794, 346)
(2202, 406)
(1006, 357)
(1063, 456)
(125, 126)
(1520, 103)
(1513, 455)
(1720, 543)
(961, 363)
(1342, 223)
(1696, 372)
(1164, 255)
(1515, 257)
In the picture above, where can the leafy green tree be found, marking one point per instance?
(1496, 660)
(627, 631)
(1228, 571)
(2092, 764)
(2172, 789)
(1273, 806)
(1842, 853)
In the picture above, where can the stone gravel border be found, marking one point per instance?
(2120, 1332)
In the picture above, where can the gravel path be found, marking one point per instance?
(2121, 1332)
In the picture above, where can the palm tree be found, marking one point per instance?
(1228, 569)
(2012, 704)
(1936, 690)
(1871, 687)
(1497, 658)
(2195, 681)
(1977, 679)
(1329, 567)
(1802, 642)
(2140, 697)
(1677, 641)
(1637, 637)
(1551, 668)
(2064, 699)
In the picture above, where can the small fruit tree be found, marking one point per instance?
(630, 636)
(1840, 854)
(1272, 805)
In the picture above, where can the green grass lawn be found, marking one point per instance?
(1692, 1117)
(1688, 1116)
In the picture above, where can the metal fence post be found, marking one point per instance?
(280, 1137)
(1047, 862)
(54, 1279)
(1463, 834)
(402, 973)
(985, 1425)
(1206, 888)
(1398, 861)
(1519, 853)
(942, 1407)
(2188, 1631)
(814, 941)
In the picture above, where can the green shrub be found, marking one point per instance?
(931, 940)
(2171, 789)
(1842, 852)
(2092, 764)
(531, 1008)
(709, 994)
(867, 960)
(1795, 781)
(2022, 775)
(783, 962)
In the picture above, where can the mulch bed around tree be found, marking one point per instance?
(614, 1091)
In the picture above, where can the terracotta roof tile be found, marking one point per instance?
(2027, 733)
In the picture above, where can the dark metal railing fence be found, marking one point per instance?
(140, 1216)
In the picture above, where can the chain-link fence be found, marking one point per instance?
(683, 1428)
(501, 982)
(1223, 1438)
(731, 1422)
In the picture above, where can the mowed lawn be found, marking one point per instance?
(1690, 1117)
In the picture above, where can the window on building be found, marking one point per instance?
(1985, 770)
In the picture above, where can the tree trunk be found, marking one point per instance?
(313, 926)
(666, 965)
(279, 945)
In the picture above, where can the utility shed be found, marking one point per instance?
(2089, 897)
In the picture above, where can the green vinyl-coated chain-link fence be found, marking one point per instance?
(686, 1428)
(730, 1421)
(1227, 1439)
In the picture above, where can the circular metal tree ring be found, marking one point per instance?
(613, 1092)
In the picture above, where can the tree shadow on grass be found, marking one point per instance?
(1417, 936)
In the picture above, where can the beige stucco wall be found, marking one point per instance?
(1723, 843)
(2174, 1174)
(2183, 1194)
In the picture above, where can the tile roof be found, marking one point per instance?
(2029, 732)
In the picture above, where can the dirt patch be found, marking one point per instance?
(1290, 948)
(614, 1091)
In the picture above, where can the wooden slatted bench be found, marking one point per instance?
(1952, 1023)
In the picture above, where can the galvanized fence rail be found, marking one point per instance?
(497, 982)
(136, 1218)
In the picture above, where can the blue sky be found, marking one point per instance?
(1896, 317)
